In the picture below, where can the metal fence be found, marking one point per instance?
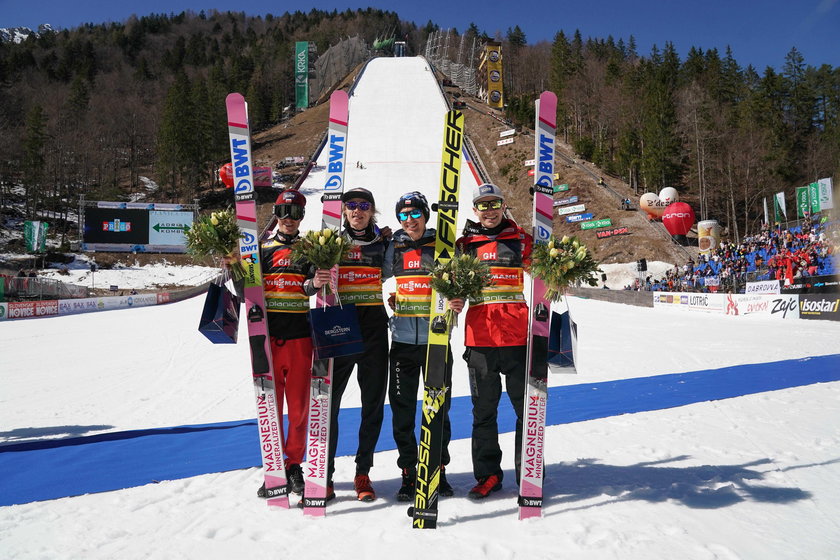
(33, 288)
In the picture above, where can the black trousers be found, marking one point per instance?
(372, 375)
(486, 365)
(407, 361)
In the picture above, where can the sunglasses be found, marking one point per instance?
(403, 216)
(488, 205)
(292, 211)
(363, 206)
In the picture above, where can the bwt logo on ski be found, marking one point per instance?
(336, 163)
(241, 165)
(546, 165)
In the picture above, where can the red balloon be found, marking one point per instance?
(226, 175)
(678, 218)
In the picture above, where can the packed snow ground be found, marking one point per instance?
(750, 477)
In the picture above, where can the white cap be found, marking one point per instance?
(487, 189)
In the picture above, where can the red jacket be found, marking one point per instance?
(500, 316)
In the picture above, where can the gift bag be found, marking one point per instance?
(220, 317)
(335, 331)
(562, 343)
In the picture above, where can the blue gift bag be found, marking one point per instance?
(220, 316)
(335, 331)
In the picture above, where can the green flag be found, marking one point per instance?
(803, 201)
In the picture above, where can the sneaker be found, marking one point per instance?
(364, 491)
(406, 491)
(486, 484)
(444, 488)
(295, 475)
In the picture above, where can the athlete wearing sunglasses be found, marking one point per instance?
(410, 259)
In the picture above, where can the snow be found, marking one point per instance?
(755, 476)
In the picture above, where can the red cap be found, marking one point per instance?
(291, 196)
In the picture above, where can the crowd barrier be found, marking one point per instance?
(777, 306)
(52, 308)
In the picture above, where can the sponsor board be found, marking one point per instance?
(767, 305)
(31, 309)
(576, 209)
(764, 287)
(819, 306)
(568, 200)
(3, 311)
(579, 217)
(509, 132)
(603, 222)
(604, 233)
(561, 188)
(773, 306)
(505, 141)
(529, 162)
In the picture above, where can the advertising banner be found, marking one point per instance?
(814, 195)
(763, 287)
(302, 74)
(169, 228)
(779, 207)
(136, 227)
(803, 201)
(819, 306)
(495, 88)
(604, 233)
(508, 132)
(561, 188)
(579, 217)
(30, 309)
(708, 236)
(825, 194)
(505, 141)
(35, 236)
(568, 200)
(603, 222)
(571, 209)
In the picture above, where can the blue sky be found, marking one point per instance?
(760, 32)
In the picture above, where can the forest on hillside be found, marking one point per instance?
(91, 110)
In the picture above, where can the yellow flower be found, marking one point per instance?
(445, 277)
(327, 232)
(214, 219)
(565, 239)
(322, 240)
(553, 252)
(551, 243)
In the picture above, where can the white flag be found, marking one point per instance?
(824, 188)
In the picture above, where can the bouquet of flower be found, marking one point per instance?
(324, 248)
(462, 277)
(562, 263)
(217, 236)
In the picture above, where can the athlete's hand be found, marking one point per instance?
(322, 277)
(456, 305)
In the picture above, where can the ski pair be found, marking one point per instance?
(269, 422)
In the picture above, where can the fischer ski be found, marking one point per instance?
(532, 468)
(269, 421)
(320, 393)
(424, 511)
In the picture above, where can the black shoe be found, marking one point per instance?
(406, 491)
(295, 475)
(486, 484)
(261, 491)
(444, 488)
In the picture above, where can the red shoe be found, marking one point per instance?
(364, 491)
(485, 485)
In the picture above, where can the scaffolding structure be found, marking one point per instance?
(460, 68)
